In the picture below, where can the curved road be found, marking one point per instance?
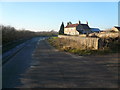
(39, 65)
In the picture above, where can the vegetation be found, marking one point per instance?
(10, 34)
(11, 37)
(110, 46)
(61, 31)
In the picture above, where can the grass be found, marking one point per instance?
(72, 47)
(12, 45)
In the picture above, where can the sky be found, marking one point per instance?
(47, 16)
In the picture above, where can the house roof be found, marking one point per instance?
(95, 29)
(71, 25)
(85, 26)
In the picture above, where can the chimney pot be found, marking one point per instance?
(86, 22)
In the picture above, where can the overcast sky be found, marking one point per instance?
(46, 16)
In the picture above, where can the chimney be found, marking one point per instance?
(68, 23)
(87, 22)
(79, 22)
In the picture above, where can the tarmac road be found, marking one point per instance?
(18, 64)
(39, 65)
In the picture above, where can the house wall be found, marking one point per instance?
(71, 31)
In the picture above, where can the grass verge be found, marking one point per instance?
(12, 45)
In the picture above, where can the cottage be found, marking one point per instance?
(76, 29)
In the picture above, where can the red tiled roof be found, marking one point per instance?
(71, 25)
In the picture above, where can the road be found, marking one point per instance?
(39, 65)
(18, 64)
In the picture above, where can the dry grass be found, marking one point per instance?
(106, 34)
(111, 45)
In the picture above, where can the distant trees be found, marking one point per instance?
(46, 33)
(61, 31)
(10, 34)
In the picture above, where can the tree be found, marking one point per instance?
(61, 31)
(68, 23)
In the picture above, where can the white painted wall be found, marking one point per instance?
(71, 31)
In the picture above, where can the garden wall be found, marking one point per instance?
(83, 42)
